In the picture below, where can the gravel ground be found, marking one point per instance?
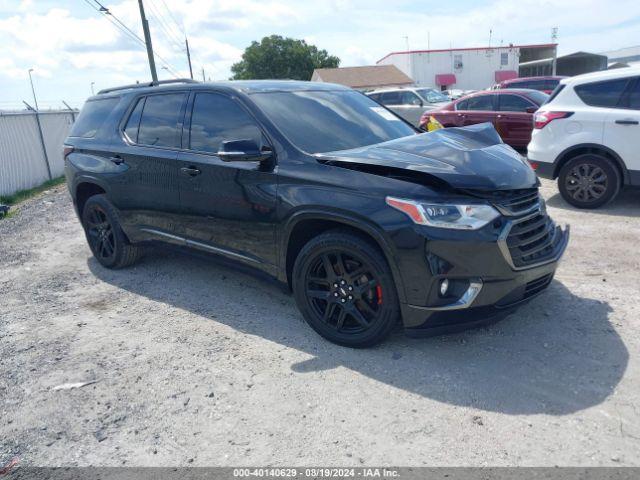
(195, 363)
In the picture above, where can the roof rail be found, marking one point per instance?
(147, 84)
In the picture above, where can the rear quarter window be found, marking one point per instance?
(92, 117)
(602, 94)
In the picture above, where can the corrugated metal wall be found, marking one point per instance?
(22, 160)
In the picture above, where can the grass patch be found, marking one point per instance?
(23, 195)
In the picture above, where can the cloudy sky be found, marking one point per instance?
(69, 44)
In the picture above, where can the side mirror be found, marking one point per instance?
(244, 150)
(531, 109)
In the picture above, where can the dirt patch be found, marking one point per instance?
(189, 362)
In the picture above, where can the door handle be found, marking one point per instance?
(117, 159)
(190, 171)
(627, 122)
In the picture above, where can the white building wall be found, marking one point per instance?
(22, 161)
(477, 72)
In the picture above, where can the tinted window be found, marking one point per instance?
(375, 96)
(537, 97)
(481, 102)
(131, 129)
(513, 103)
(323, 121)
(462, 105)
(517, 85)
(634, 96)
(533, 84)
(92, 116)
(217, 118)
(159, 124)
(432, 96)
(409, 98)
(550, 84)
(602, 94)
(390, 98)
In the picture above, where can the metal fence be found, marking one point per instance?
(31, 148)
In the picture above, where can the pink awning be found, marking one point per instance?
(445, 79)
(502, 75)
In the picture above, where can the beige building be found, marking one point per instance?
(363, 78)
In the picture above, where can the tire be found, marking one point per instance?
(345, 290)
(105, 237)
(589, 181)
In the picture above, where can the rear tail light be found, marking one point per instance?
(67, 150)
(541, 119)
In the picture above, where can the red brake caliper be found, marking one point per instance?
(379, 294)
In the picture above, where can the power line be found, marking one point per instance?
(171, 36)
(130, 33)
(179, 24)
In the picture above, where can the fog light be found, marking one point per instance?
(444, 286)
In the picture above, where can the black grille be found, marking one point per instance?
(518, 204)
(536, 286)
(532, 240)
(511, 202)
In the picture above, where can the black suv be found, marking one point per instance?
(369, 221)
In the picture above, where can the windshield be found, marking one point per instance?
(539, 97)
(325, 121)
(432, 96)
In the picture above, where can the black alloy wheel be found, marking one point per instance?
(106, 239)
(345, 290)
(100, 233)
(589, 181)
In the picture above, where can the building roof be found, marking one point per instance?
(360, 77)
(467, 49)
(622, 52)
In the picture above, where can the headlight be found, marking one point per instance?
(459, 217)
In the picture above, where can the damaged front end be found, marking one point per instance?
(471, 157)
(487, 241)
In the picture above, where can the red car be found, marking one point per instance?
(510, 111)
(544, 84)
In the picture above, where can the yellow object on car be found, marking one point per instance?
(433, 124)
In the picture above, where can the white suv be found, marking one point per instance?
(587, 135)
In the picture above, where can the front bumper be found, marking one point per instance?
(495, 285)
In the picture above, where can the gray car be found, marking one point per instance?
(410, 103)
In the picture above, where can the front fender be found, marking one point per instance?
(348, 219)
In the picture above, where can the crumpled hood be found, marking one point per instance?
(472, 157)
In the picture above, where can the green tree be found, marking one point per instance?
(278, 57)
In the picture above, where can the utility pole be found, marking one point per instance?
(147, 41)
(33, 90)
(554, 39)
(203, 79)
(92, 92)
(186, 43)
